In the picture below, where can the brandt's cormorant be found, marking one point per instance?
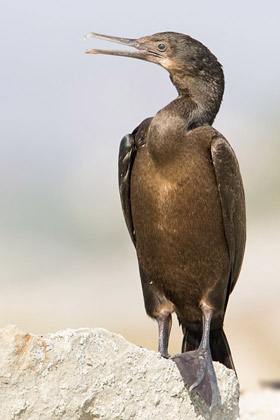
(183, 202)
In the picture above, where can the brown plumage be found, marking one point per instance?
(183, 202)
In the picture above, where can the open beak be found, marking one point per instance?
(144, 52)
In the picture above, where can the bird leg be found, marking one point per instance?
(164, 321)
(196, 366)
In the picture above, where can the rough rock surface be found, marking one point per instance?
(91, 373)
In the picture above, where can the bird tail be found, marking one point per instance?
(219, 346)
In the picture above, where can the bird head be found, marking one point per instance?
(193, 69)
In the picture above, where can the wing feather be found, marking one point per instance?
(232, 198)
(127, 155)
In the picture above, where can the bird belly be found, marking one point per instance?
(178, 224)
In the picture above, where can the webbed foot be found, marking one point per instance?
(196, 367)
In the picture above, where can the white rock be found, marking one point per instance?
(91, 373)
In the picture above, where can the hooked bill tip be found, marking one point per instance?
(92, 35)
(89, 35)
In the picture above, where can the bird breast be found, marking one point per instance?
(177, 217)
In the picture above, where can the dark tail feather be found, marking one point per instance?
(220, 350)
(191, 339)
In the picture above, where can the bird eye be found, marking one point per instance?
(161, 47)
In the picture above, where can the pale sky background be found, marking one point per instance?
(65, 257)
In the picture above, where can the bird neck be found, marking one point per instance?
(196, 110)
(199, 99)
(187, 110)
(170, 125)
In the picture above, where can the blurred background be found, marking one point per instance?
(66, 259)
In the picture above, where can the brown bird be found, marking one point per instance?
(183, 202)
